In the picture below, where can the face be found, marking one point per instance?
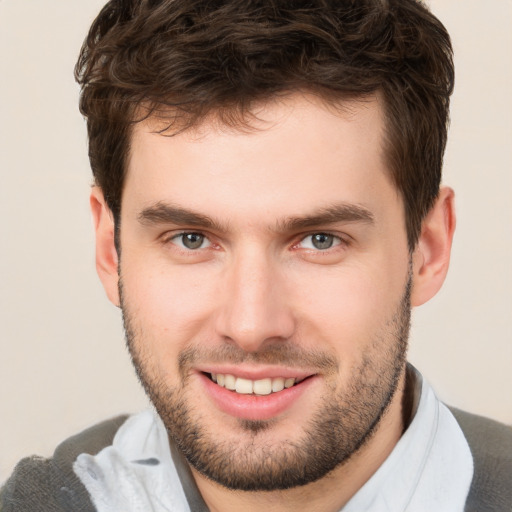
(264, 281)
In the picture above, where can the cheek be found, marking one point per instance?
(169, 305)
(348, 308)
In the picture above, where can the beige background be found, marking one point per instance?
(63, 364)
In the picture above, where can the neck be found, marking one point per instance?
(331, 492)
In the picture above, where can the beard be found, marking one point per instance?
(341, 423)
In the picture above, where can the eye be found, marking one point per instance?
(320, 241)
(191, 241)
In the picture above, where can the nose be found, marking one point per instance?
(254, 308)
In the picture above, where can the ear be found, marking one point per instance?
(106, 254)
(431, 256)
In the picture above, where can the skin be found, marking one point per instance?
(258, 285)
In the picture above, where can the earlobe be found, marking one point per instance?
(431, 257)
(106, 253)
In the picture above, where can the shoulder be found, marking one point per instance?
(490, 443)
(50, 484)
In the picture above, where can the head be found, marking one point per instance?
(270, 174)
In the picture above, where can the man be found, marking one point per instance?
(267, 211)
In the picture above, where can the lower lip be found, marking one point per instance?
(254, 407)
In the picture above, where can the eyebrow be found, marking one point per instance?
(164, 213)
(343, 212)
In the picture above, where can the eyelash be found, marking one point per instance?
(174, 236)
(339, 241)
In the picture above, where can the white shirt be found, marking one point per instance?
(429, 470)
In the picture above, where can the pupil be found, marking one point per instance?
(192, 240)
(322, 241)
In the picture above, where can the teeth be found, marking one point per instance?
(257, 387)
(277, 384)
(288, 383)
(230, 382)
(262, 387)
(243, 386)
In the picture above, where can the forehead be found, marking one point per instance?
(294, 152)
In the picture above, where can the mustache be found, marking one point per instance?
(282, 353)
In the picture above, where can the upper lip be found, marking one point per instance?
(256, 373)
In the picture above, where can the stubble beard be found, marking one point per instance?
(341, 424)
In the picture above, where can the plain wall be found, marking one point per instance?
(63, 365)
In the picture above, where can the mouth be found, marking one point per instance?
(267, 395)
(260, 387)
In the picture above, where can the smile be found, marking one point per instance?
(253, 387)
(256, 394)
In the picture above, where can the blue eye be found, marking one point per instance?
(320, 241)
(191, 241)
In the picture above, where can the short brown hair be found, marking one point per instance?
(192, 58)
